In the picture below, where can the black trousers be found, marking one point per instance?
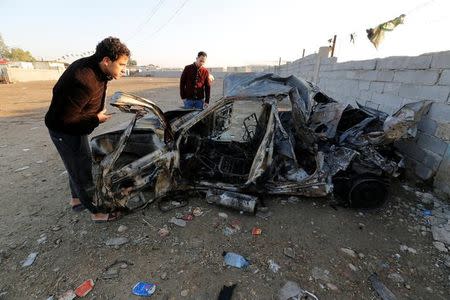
(75, 153)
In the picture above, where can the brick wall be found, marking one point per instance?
(387, 84)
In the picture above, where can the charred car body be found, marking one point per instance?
(268, 135)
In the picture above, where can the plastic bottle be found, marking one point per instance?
(235, 260)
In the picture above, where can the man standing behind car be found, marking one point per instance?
(195, 86)
(77, 108)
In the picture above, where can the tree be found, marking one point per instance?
(3, 48)
(17, 54)
(14, 54)
(132, 62)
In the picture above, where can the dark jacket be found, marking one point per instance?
(194, 83)
(78, 96)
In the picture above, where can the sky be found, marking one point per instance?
(169, 33)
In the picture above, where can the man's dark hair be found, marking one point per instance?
(202, 53)
(111, 47)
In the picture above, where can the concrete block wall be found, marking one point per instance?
(387, 84)
(24, 75)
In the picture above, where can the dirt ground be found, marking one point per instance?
(304, 237)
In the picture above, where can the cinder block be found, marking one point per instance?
(376, 87)
(427, 77)
(366, 75)
(443, 131)
(445, 77)
(431, 160)
(423, 172)
(442, 178)
(391, 88)
(388, 100)
(428, 126)
(328, 61)
(431, 143)
(357, 65)
(424, 92)
(363, 85)
(386, 76)
(410, 149)
(421, 62)
(366, 95)
(439, 112)
(441, 60)
(328, 67)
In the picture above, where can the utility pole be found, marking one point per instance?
(333, 45)
(303, 54)
(279, 64)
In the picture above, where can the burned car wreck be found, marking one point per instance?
(268, 135)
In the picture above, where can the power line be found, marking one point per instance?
(169, 20)
(148, 19)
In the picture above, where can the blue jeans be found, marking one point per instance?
(193, 103)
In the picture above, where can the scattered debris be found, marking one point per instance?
(197, 212)
(223, 215)
(441, 232)
(184, 293)
(235, 260)
(188, 217)
(42, 239)
(122, 228)
(395, 277)
(236, 225)
(164, 231)
(256, 231)
(289, 252)
(226, 292)
(229, 231)
(240, 202)
(25, 150)
(320, 274)
(178, 222)
(22, 169)
(30, 259)
(56, 228)
(405, 248)
(69, 295)
(349, 252)
(144, 289)
(440, 246)
(118, 241)
(352, 267)
(331, 286)
(273, 266)
(291, 290)
(113, 270)
(380, 288)
(84, 288)
(264, 215)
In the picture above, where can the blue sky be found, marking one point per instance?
(231, 32)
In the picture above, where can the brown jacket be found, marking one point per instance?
(78, 96)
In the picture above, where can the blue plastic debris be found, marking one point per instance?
(144, 289)
(235, 260)
(427, 213)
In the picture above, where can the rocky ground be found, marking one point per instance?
(330, 251)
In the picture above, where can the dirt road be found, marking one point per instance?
(328, 251)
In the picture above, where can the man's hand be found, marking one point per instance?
(103, 116)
